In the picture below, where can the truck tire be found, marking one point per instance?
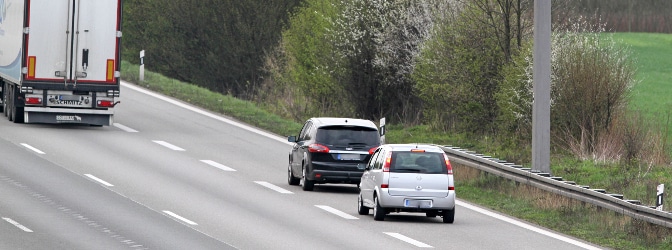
(16, 113)
(4, 99)
(8, 105)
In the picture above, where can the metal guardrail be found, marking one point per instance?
(544, 181)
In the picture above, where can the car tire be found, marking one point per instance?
(432, 214)
(449, 216)
(306, 185)
(291, 180)
(378, 211)
(361, 209)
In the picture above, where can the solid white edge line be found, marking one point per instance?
(217, 165)
(168, 145)
(408, 240)
(185, 220)
(99, 180)
(274, 187)
(32, 148)
(337, 212)
(16, 224)
(206, 113)
(124, 128)
(283, 140)
(527, 226)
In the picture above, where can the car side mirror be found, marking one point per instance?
(291, 138)
(362, 166)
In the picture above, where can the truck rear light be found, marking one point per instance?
(110, 70)
(372, 150)
(33, 100)
(31, 67)
(318, 148)
(105, 103)
(384, 185)
(388, 161)
(449, 167)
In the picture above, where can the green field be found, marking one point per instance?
(652, 95)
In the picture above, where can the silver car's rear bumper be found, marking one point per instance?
(438, 203)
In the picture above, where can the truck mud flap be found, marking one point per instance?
(67, 118)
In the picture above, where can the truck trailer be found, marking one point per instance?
(60, 60)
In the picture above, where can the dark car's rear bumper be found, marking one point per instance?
(327, 172)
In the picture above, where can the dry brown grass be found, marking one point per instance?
(562, 214)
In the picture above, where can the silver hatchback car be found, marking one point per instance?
(408, 178)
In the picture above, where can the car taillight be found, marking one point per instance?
(372, 150)
(33, 100)
(449, 167)
(388, 161)
(384, 185)
(318, 148)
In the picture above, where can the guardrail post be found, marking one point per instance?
(659, 198)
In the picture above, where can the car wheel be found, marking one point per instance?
(291, 180)
(432, 214)
(306, 185)
(361, 209)
(449, 216)
(378, 211)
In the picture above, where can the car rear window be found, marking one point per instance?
(347, 136)
(418, 162)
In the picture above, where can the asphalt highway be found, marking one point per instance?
(168, 175)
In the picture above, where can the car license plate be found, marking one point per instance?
(348, 157)
(418, 203)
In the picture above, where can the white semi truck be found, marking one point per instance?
(59, 60)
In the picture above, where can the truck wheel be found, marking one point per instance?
(3, 99)
(9, 108)
(16, 113)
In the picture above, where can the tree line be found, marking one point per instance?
(459, 66)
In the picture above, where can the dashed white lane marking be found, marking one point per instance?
(16, 224)
(408, 240)
(99, 180)
(168, 145)
(337, 212)
(185, 220)
(124, 128)
(527, 226)
(32, 148)
(217, 165)
(274, 187)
